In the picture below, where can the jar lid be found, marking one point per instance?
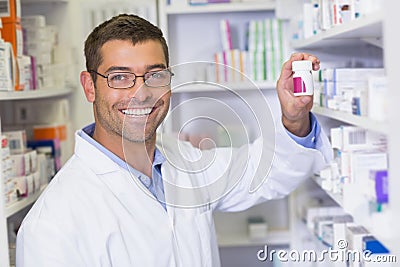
(301, 65)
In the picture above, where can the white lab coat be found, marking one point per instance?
(94, 213)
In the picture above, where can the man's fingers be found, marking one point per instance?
(305, 100)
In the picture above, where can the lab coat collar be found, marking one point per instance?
(101, 164)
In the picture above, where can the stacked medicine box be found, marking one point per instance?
(9, 196)
(358, 91)
(11, 32)
(25, 171)
(39, 42)
(6, 66)
(337, 230)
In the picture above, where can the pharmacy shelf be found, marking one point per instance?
(21, 204)
(376, 223)
(34, 94)
(355, 120)
(193, 87)
(220, 7)
(368, 29)
(274, 238)
(335, 197)
(43, 1)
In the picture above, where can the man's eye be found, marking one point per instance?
(158, 75)
(119, 77)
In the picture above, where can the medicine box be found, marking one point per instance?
(52, 148)
(10, 11)
(20, 164)
(12, 32)
(257, 228)
(16, 141)
(343, 75)
(377, 98)
(7, 66)
(46, 132)
(21, 186)
(33, 21)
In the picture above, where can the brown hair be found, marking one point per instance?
(121, 27)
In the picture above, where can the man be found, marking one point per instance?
(117, 202)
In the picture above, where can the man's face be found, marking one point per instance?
(133, 113)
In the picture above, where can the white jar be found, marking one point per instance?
(302, 78)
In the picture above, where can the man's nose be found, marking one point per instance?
(139, 90)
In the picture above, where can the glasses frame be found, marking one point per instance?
(136, 76)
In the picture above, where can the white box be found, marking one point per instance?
(21, 186)
(339, 229)
(356, 138)
(30, 189)
(345, 75)
(38, 47)
(16, 141)
(377, 98)
(258, 230)
(20, 165)
(354, 236)
(37, 181)
(34, 21)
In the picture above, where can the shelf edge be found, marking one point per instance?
(33, 94)
(337, 30)
(356, 120)
(219, 8)
(21, 204)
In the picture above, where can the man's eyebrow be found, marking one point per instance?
(155, 66)
(118, 68)
(127, 69)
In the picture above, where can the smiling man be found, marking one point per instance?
(115, 202)
(130, 99)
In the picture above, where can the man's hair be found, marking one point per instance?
(121, 27)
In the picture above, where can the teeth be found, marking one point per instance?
(137, 111)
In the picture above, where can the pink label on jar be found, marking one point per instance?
(299, 85)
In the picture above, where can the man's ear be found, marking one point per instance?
(88, 86)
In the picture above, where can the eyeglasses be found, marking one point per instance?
(124, 80)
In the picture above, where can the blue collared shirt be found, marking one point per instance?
(155, 184)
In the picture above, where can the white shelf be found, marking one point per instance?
(221, 7)
(360, 121)
(368, 28)
(21, 204)
(34, 94)
(336, 197)
(215, 87)
(43, 1)
(274, 238)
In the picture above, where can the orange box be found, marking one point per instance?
(12, 33)
(12, 11)
(45, 132)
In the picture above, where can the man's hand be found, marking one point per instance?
(295, 109)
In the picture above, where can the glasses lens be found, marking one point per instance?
(158, 78)
(121, 80)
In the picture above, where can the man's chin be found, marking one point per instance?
(135, 138)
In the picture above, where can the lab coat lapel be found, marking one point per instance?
(122, 183)
(100, 163)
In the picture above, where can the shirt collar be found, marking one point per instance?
(87, 134)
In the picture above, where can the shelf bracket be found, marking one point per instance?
(376, 41)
